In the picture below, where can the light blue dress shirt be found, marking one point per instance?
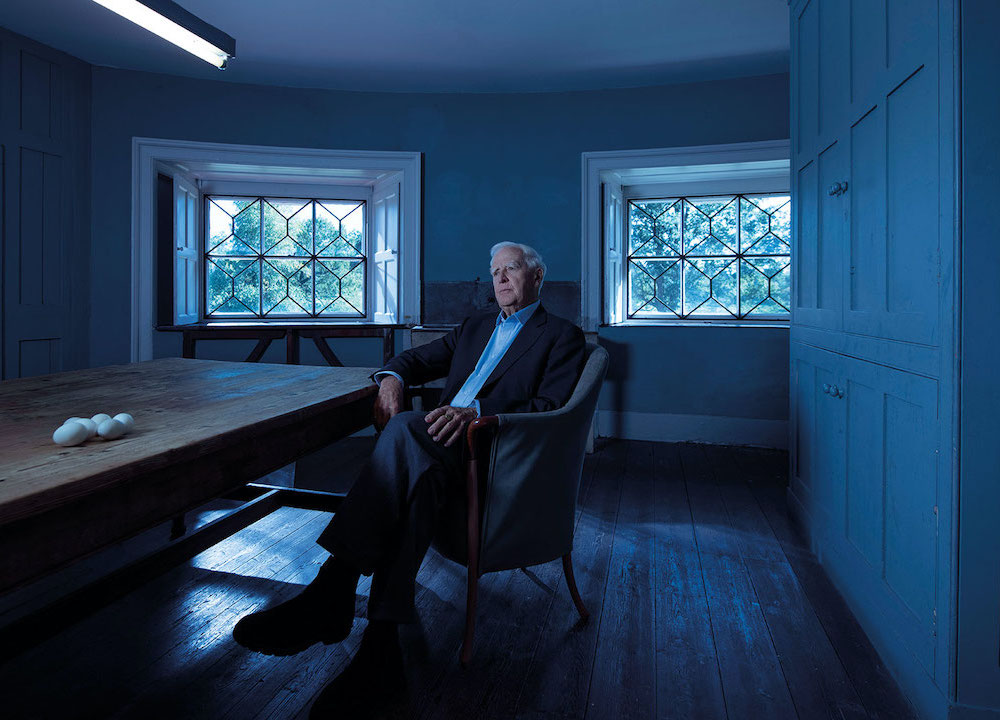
(503, 336)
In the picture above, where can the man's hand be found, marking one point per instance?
(389, 401)
(448, 423)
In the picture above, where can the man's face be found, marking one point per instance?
(514, 285)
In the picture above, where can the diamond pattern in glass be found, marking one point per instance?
(262, 257)
(724, 256)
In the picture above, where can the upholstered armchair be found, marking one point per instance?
(522, 480)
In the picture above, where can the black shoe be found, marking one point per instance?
(323, 612)
(373, 685)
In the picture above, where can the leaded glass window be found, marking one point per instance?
(287, 257)
(709, 257)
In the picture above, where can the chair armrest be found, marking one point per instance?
(477, 425)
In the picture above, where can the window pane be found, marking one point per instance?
(233, 286)
(710, 287)
(288, 257)
(287, 286)
(339, 287)
(654, 228)
(655, 287)
(764, 285)
(766, 225)
(709, 257)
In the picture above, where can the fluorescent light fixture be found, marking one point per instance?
(173, 23)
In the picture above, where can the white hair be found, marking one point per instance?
(531, 257)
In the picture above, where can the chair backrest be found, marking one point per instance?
(534, 476)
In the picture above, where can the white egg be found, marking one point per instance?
(70, 433)
(89, 424)
(100, 418)
(111, 429)
(127, 420)
(71, 419)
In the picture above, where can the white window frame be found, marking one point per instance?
(733, 168)
(279, 167)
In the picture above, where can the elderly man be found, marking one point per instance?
(522, 360)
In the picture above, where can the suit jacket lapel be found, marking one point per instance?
(530, 333)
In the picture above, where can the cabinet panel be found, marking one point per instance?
(805, 193)
(866, 191)
(912, 187)
(865, 517)
(818, 419)
(892, 495)
(911, 36)
(834, 80)
(805, 35)
(828, 469)
(894, 249)
(867, 52)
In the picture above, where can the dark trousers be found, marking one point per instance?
(409, 490)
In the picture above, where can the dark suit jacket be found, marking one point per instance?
(538, 372)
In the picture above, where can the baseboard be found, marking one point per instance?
(714, 429)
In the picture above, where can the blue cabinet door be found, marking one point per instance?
(818, 449)
(866, 471)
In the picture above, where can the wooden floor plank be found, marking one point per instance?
(623, 682)
(713, 530)
(558, 676)
(751, 530)
(688, 685)
(816, 678)
(874, 685)
(752, 678)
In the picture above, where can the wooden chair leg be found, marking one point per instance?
(571, 584)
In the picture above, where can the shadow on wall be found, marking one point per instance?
(614, 383)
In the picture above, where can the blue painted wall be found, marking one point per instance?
(496, 167)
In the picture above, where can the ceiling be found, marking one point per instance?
(438, 45)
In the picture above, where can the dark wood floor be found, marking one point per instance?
(705, 604)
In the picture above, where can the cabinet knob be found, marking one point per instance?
(840, 392)
(834, 391)
(837, 188)
(826, 388)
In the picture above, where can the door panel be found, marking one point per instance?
(911, 36)
(44, 129)
(806, 37)
(892, 451)
(867, 56)
(865, 517)
(834, 78)
(894, 192)
(866, 193)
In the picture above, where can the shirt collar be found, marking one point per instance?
(522, 315)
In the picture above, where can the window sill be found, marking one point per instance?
(782, 324)
(276, 325)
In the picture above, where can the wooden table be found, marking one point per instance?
(203, 428)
